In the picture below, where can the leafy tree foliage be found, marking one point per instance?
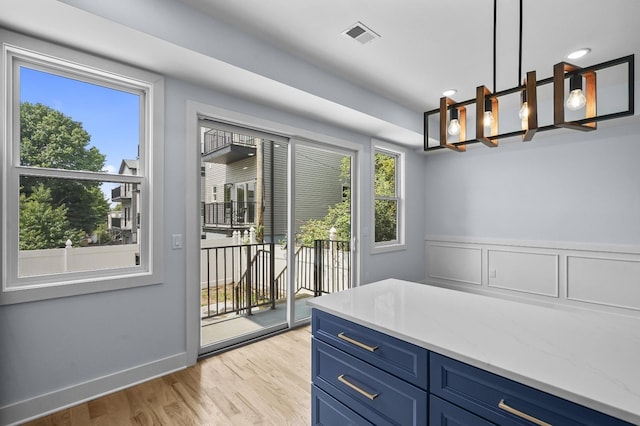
(50, 139)
(339, 215)
(42, 225)
(386, 220)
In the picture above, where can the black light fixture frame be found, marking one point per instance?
(629, 111)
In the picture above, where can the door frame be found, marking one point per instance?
(196, 110)
(294, 143)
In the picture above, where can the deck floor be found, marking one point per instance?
(231, 325)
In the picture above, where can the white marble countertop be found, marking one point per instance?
(590, 358)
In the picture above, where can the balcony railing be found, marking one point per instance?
(236, 279)
(121, 192)
(217, 139)
(231, 214)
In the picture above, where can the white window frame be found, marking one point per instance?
(400, 154)
(18, 50)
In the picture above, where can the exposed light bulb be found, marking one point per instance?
(576, 100)
(524, 111)
(488, 119)
(454, 127)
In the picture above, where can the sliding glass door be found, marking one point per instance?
(276, 229)
(244, 216)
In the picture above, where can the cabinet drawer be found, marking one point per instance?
(400, 358)
(482, 392)
(442, 412)
(327, 411)
(376, 395)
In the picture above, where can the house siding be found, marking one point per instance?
(318, 183)
(275, 197)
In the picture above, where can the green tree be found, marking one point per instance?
(50, 139)
(339, 215)
(42, 225)
(385, 186)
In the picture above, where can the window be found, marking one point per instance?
(83, 143)
(388, 227)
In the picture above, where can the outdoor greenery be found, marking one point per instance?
(339, 215)
(43, 225)
(53, 210)
(385, 186)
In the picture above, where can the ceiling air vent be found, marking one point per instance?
(361, 33)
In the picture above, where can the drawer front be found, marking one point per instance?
(400, 358)
(442, 412)
(327, 411)
(494, 397)
(376, 395)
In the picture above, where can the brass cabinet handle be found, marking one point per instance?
(355, 342)
(361, 391)
(503, 406)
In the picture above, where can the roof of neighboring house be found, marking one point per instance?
(130, 164)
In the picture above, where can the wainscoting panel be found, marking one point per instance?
(613, 282)
(575, 275)
(526, 272)
(455, 263)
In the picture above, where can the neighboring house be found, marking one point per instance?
(231, 182)
(125, 223)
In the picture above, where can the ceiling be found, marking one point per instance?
(427, 46)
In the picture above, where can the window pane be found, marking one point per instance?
(385, 175)
(386, 220)
(73, 125)
(56, 213)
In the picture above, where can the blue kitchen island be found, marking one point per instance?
(397, 352)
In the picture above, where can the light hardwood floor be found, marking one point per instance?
(263, 383)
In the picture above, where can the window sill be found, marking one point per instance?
(388, 248)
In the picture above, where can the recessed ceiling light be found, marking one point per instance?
(449, 92)
(578, 53)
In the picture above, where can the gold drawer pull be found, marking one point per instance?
(355, 342)
(503, 406)
(361, 391)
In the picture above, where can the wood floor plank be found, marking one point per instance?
(265, 383)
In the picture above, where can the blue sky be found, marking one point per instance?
(110, 116)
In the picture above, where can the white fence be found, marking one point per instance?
(74, 259)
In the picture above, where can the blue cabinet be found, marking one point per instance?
(503, 401)
(361, 376)
(442, 412)
(380, 378)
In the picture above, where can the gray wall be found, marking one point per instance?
(561, 186)
(78, 347)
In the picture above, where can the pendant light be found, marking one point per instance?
(487, 118)
(582, 95)
(576, 99)
(454, 124)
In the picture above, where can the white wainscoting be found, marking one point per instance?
(593, 276)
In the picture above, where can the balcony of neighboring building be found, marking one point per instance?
(122, 193)
(224, 147)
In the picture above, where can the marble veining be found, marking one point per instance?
(591, 358)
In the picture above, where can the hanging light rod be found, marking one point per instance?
(487, 107)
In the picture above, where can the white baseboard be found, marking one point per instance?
(52, 402)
